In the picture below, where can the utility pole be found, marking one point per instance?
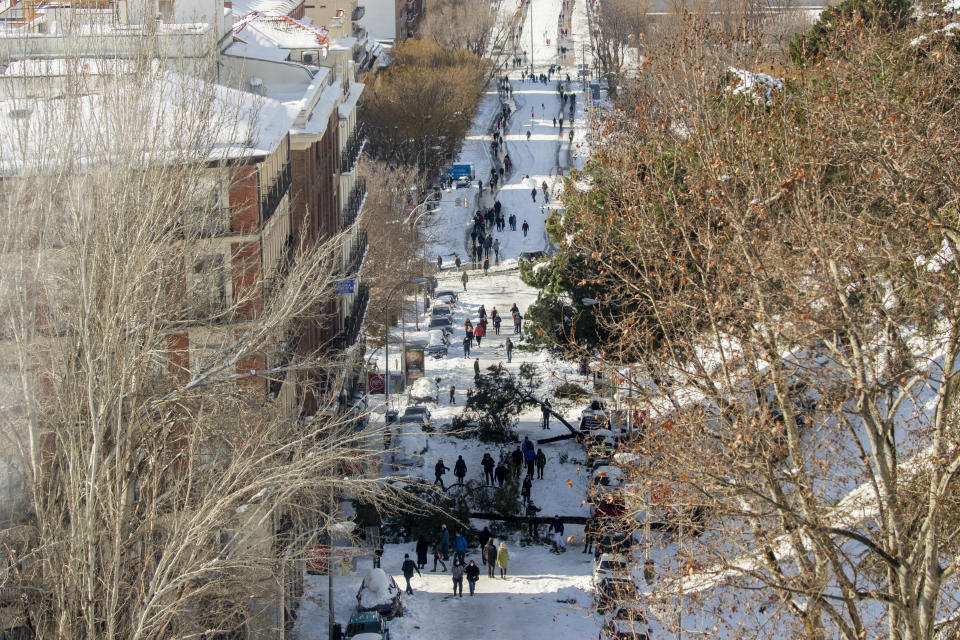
(530, 11)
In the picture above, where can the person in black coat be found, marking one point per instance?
(483, 537)
(421, 552)
(408, 567)
(460, 469)
(472, 572)
(488, 464)
(438, 470)
(532, 511)
(501, 474)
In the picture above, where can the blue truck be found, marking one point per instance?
(461, 173)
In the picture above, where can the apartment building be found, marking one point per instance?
(296, 185)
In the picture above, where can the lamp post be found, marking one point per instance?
(530, 11)
(386, 334)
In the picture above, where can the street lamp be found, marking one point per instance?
(386, 334)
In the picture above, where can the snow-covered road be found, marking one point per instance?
(543, 590)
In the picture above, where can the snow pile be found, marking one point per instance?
(424, 389)
(953, 5)
(377, 589)
(754, 83)
(948, 31)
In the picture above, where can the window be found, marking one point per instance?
(210, 284)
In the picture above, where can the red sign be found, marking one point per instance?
(375, 382)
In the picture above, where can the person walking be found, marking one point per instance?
(480, 331)
(545, 414)
(457, 575)
(456, 261)
(488, 464)
(444, 543)
(460, 469)
(436, 557)
(559, 544)
(518, 324)
(438, 470)
(476, 368)
(525, 227)
(532, 511)
(530, 458)
(459, 546)
(533, 194)
(501, 474)
(589, 531)
(509, 346)
(570, 135)
(472, 572)
(422, 548)
(486, 266)
(541, 463)
(466, 346)
(439, 263)
(496, 250)
(503, 558)
(482, 539)
(496, 324)
(525, 488)
(408, 567)
(490, 556)
(516, 462)
(453, 392)
(464, 279)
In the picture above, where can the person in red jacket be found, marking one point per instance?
(479, 332)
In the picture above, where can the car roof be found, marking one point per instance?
(416, 408)
(365, 616)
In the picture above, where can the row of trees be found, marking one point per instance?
(164, 491)
(779, 266)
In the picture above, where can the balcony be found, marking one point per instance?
(357, 250)
(351, 152)
(354, 203)
(270, 199)
(283, 357)
(353, 320)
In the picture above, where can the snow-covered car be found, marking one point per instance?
(409, 443)
(440, 311)
(446, 295)
(626, 623)
(616, 542)
(416, 414)
(366, 625)
(423, 390)
(437, 344)
(531, 256)
(610, 564)
(611, 590)
(595, 416)
(605, 480)
(379, 592)
(443, 323)
(463, 181)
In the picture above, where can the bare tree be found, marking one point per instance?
(170, 483)
(457, 23)
(616, 28)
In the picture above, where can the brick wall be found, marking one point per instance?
(244, 200)
(245, 275)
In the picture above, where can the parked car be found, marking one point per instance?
(616, 542)
(409, 443)
(448, 294)
(438, 343)
(379, 592)
(610, 564)
(418, 415)
(626, 623)
(440, 311)
(367, 625)
(443, 323)
(531, 256)
(612, 590)
(463, 181)
(597, 452)
(424, 390)
(606, 480)
(595, 416)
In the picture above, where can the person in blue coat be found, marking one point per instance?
(459, 547)
(445, 543)
(530, 458)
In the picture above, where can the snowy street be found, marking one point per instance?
(542, 588)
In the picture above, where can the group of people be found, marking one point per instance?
(490, 555)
